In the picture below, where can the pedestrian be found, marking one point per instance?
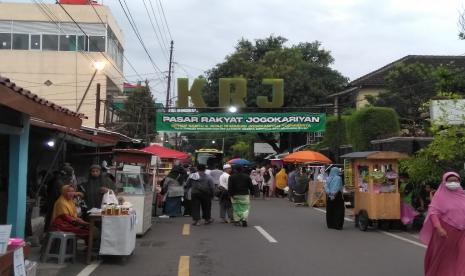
(202, 193)
(240, 187)
(173, 189)
(215, 174)
(291, 182)
(97, 184)
(257, 181)
(335, 209)
(224, 197)
(444, 229)
(281, 183)
(187, 202)
(267, 182)
(302, 180)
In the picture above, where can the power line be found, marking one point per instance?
(164, 18)
(124, 57)
(160, 42)
(136, 31)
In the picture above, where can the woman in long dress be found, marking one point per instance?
(444, 229)
(335, 209)
(173, 188)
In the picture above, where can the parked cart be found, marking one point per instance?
(374, 178)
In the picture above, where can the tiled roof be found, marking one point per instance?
(33, 97)
(377, 77)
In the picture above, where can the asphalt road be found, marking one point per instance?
(304, 246)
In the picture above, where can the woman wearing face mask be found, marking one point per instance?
(444, 229)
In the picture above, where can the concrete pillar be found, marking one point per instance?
(19, 145)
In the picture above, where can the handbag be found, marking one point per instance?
(109, 198)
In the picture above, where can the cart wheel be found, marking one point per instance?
(363, 220)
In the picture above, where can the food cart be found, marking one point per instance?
(134, 183)
(373, 176)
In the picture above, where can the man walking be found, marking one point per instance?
(223, 195)
(202, 191)
(291, 182)
(240, 187)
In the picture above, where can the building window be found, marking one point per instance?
(35, 42)
(5, 41)
(21, 41)
(96, 43)
(82, 43)
(67, 43)
(50, 42)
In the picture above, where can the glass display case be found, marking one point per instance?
(136, 188)
(133, 183)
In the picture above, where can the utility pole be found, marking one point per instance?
(168, 87)
(97, 107)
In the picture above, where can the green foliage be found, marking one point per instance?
(371, 123)
(445, 153)
(305, 69)
(332, 133)
(138, 113)
(241, 149)
(410, 88)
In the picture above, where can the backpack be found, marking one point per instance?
(266, 177)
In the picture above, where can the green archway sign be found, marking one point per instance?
(233, 92)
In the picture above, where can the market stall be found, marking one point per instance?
(373, 176)
(134, 183)
(315, 162)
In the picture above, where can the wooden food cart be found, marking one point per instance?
(374, 178)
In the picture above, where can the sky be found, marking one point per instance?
(362, 35)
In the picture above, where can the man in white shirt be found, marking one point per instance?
(223, 195)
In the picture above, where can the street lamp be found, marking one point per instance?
(213, 141)
(232, 109)
(98, 66)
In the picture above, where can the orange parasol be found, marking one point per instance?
(306, 156)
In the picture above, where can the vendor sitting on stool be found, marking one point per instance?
(64, 216)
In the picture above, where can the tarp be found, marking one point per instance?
(163, 152)
(306, 156)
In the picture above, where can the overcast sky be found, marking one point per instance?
(362, 35)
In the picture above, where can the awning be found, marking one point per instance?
(167, 153)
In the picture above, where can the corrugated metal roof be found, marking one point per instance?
(358, 154)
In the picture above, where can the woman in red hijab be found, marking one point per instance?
(444, 229)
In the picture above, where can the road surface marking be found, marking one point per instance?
(89, 269)
(186, 229)
(183, 268)
(403, 239)
(384, 232)
(265, 234)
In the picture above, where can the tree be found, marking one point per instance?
(445, 153)
(371, 123)
(409, 87)
(138, 116)
(305, 68)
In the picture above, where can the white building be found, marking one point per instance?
(43, 50)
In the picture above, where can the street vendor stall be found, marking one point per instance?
(373, 176)
(134, 183)
(314, 161)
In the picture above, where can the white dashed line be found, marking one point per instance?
(265, 234)
(383, 232)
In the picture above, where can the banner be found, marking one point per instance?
(240, 122)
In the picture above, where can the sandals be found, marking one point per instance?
(210, 221)
(196, 223)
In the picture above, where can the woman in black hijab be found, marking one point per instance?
(173, 190)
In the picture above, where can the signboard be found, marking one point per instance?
(448, 112)
(348, 174)
(240, 122)
(263, 148)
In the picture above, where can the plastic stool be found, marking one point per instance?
(66, 248)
